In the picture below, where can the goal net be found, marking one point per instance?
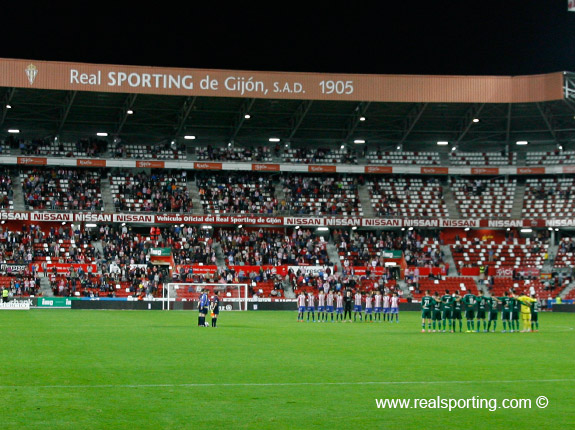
(185, 296)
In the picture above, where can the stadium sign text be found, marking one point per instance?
(16, 305)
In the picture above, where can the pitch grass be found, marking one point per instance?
(73, 369)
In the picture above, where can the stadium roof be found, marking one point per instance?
(72, 113)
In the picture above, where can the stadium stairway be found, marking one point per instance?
(98, 248)
(195, 196)
(521, 158)
(107, 197)
(45, 288)
(448, 258)
(365, 201)
(18, 197)
(289, 293)
(220, 257)
(481, 286)
(444, 158)
(551, 256)
(332, 254)
(280, 193)
(518, 200)
(449, 199)
(570, 287)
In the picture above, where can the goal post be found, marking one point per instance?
(185, 296)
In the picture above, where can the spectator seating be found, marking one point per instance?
(247, 154)
(502, 285)
(403, 157)
(81, 148)
(549, 197)
(458, 158)
(484, 198)
(322, 195)
(566, 253)
(550, 158)
(495, 255)
(62, 189)
(163, 151)
(160, 191)
(319, 156)
(451, 283)
(407, 197)
(241, 193)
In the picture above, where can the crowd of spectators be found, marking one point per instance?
(62, 189)
(85, 147)
(159, 191)
(319, 155)
(321, 195)
(269, 247)
(157, 151)
(230, 153)
(6, 191)
(238, 193)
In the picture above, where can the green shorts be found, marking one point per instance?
(457, 314)
(481, 315)
(436, 316)
(470, 315)
(492, 316)
(447, 314)
(426, 313)
(506, 316)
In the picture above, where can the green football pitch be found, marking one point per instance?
(76, 369)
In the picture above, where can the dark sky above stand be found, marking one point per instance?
(503, 37)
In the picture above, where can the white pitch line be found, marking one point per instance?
(279, 384)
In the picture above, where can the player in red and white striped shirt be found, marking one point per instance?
(300, 306)
(329, 301)
(321, 306)
(369, 306)
(378, 304)
(339, 306)
(386, 302)
(310, 306)
(394, 308)
(357, 306)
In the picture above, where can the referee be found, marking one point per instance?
(215, 308)
(347, 302)
(203, 308)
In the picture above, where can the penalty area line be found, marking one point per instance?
(278, 384)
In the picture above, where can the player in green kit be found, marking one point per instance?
(481, 311)
(447, 300)
(505, 311)
(470, 301)
(436, 306)
(426, 303)
(515, 311)
(457, 304)
(492, 303)
(535, 308)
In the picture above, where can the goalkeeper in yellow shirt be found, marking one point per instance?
(526, 302)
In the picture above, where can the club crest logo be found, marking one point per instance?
(31, 73)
